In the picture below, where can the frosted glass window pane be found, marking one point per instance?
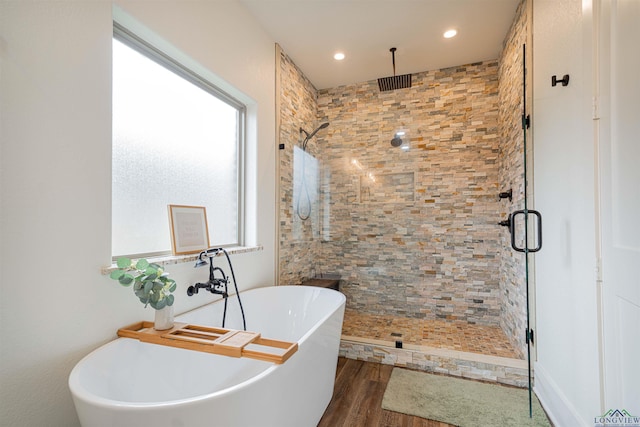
(173, 143)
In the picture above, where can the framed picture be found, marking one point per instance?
(189, 230)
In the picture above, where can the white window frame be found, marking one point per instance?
(133, 41)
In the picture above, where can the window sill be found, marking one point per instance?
(166, 260)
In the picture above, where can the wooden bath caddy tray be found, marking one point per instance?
(226, 342)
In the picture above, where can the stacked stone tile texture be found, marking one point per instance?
(430, 361)
(414, 232)
(299, 239)
(512, 264)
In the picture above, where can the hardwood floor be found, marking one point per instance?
(357, 399)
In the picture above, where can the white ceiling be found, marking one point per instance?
(311, 31)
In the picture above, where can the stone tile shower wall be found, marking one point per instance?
(299, 239)
(512, 269)
(414, 232)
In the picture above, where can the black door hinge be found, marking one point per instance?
(529, 336)
(526, 121)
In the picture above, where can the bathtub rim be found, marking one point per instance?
(86, 395)
(78, 391)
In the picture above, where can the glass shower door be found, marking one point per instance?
(528, 222)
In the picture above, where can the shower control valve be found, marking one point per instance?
(506, 194)
(215, 286)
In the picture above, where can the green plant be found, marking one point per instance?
(150, 283)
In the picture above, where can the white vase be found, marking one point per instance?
(164, 318)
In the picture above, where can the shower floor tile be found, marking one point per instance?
(460, 336)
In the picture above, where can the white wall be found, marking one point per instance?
(567, 369)
(55, 185)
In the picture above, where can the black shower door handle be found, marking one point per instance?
(513, 230)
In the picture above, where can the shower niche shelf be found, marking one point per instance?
(225, 342)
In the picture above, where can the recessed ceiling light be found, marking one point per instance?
(450, 33)
(338, 56)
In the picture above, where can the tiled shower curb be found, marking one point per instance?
(500, 370)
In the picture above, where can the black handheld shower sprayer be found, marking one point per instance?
(311, 135)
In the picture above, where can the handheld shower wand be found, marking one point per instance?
(311, 135)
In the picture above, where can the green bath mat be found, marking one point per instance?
(460, 402)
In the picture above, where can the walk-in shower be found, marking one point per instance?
(430, 278)
(415, 234)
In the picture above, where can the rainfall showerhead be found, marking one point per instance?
(312, 134)
(394, 82)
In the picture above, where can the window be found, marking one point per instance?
(177, 139)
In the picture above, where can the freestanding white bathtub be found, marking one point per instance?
(130, 383)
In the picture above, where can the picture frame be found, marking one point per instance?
(189, 229)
